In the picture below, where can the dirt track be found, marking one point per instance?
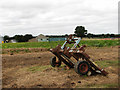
(17, 72)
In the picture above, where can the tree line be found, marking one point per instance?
(19, 38)
(79, 32)
(25, 38)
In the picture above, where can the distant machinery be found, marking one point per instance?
(1, 39)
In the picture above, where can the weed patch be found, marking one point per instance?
(38, 68)
(93, 43)
(107, 63)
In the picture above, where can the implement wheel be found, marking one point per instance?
(54, 62)
(82, 67)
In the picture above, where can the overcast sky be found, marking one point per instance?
(52, 17)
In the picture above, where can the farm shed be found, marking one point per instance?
(12, 41)
(33, 40)
(40, 38)
(57, 39)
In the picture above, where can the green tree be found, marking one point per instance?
(80, 31)
(112, 35)
(19, 38)
(27, 37)
(6, 37)
(108, 35)
(89, 35)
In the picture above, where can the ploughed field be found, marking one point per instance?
(33, 70)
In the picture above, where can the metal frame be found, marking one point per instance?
(64, 54)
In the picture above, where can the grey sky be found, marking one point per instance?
(52, 17)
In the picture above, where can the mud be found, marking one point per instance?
(16, 74)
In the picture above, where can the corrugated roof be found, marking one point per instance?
(42, 36)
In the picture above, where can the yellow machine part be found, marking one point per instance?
(2, 41)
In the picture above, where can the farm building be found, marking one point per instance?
(1, 39)
(33, 40)
(12, 41)
(57, 39)
(40, 38)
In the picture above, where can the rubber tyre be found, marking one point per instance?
(54, 63)
(82, 67)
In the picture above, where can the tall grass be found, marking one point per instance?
(93, 43)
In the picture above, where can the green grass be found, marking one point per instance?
(110, 85)
(41, 68)
(113, 85)
(30, 45)
(38, 68)
(102, 64)
(107, 63)
(0, 45)
(93, 43)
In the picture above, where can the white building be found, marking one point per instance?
(40, 38)
(1, 39)
(12, 41)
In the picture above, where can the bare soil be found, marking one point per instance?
(16, 73)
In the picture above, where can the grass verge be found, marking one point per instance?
(93, 43)
(115, 85)
(107, 63)
(38, 68)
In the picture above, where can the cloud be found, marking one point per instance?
(57, 16)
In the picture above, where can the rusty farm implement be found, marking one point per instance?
(82, 62)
